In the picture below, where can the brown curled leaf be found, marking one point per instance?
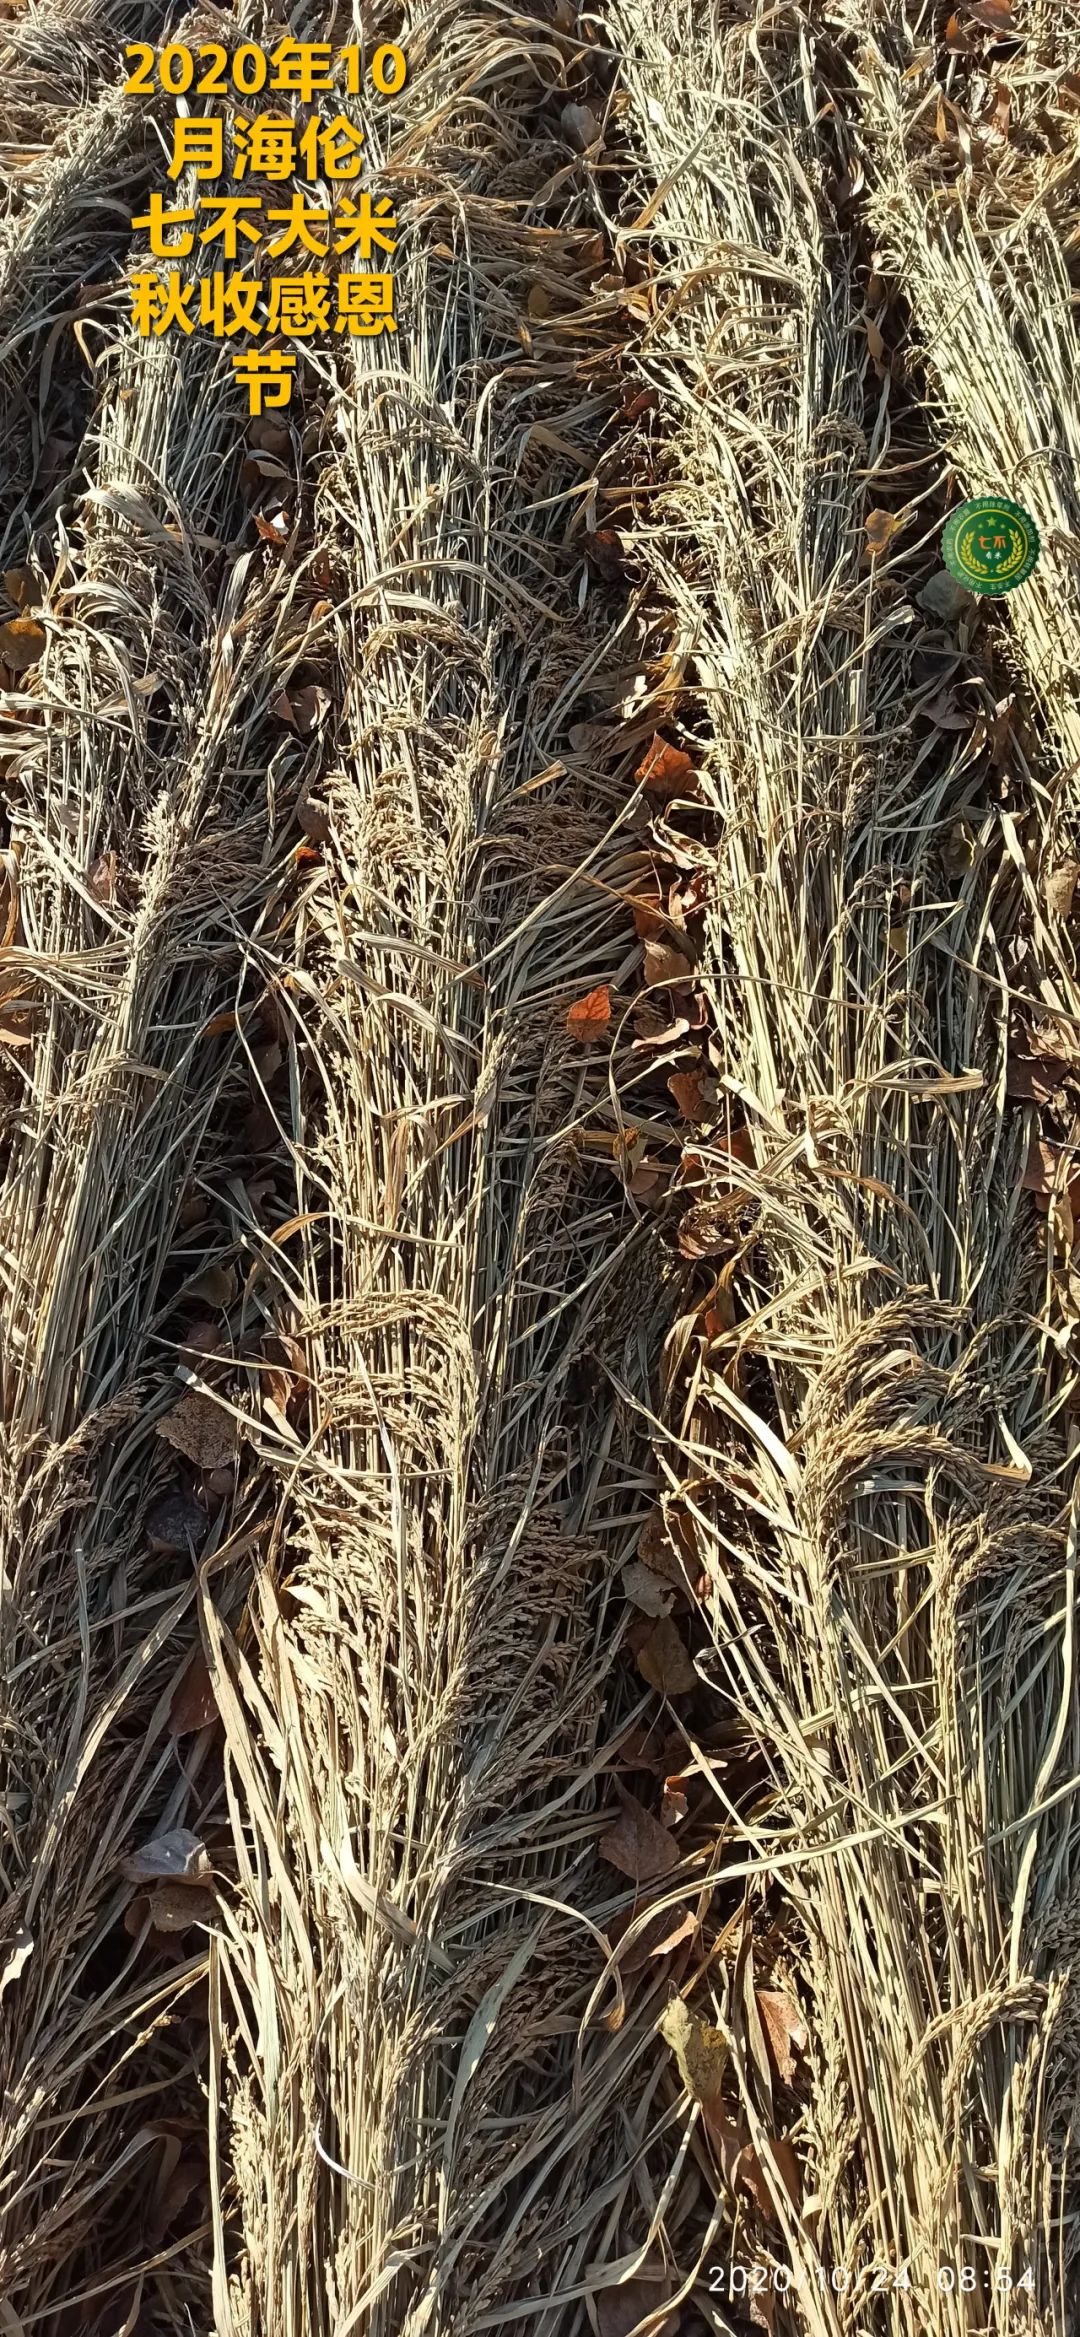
(589, 1018)
(638, 1844)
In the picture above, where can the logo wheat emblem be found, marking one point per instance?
(990, 545)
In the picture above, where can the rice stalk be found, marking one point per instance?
(145, 852)
(874, 1452)
(979, 232)
(415, 1726)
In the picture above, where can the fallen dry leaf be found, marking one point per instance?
(1001, 112)
(720, 1314)
(101, 878)
(648, 914)
(658, 1030)
(944, 712)
(216, 1285)
(637, 1844)
(1059, 887)
(959, 850)
(647, 1184)
(194, 1704)
(605, 554)
(674, 1806)
(996, 16)
(255, 470)
(685, 1086)
(1055, 1182)
(882, 526)
(1035, 1079)
(619, 2311)
(665, 964)
(637, 1632)
(1046, 1169)
(203, 1338)
(701, 2054)
(178, 1856)
(315, 822)
(731, 2138)
(1062, 1210)
(760, 2183)
(664, 1660)
(22, 642)
(272, 437)
(641, 1746)
(202, 1430)
(742, 2166)
(1054, 1036)
(176, 1906)
(785, 2031)
(764, 2298)
(589, 1019)
(16, 1028)
(276, 1389)
(580, 126)
(1000, 729)
(303, 709)
(706, 1230)
(666, 770)
(668, 1929)
(20, 585)
(943, 597)
(667, 1550)
(644, 1589)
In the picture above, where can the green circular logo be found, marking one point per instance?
(990, 545)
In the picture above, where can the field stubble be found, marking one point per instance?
(528, 989)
